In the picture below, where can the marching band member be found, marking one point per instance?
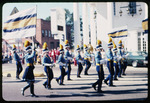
(109, 55)
(120, 58)
(68, 59)
(87, 60)
(18, 62)
(47, 67)
(28, 74)
(79, 62)
(99, 67)
(115, 61)
(62, 64)
(124, 61)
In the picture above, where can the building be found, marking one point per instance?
(107, 17)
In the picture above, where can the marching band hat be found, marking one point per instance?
(110, 44)
(85, 47)
(14, 47)
(99, 46)
(120, 44)
(78, 48)
(66, 44)
(114, 47)
(45, 49)
(61, 49)
(27, 46)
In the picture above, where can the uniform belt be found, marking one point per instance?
(109, 60)
(98, 64)
(29, 64)
(115, 61)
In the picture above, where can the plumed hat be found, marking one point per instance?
(78, 48)
(85, 47)
(27, 46)
(99, 46)
(61, 48)
(14, 47)
(114, 47)
(66, 44)
(110, 44)
(45, 49)
(120, 43)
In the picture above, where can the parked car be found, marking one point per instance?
(5, 59)
(137, 58)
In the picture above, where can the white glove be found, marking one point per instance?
(103, 61)
(69, 58)
(81, 61)
(62, 64)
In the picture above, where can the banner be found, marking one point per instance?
(145, 26)
(118, 34)
(21, 24)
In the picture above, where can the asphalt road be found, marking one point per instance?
(133, 86)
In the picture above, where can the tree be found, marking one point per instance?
(48, 18)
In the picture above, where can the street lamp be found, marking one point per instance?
(95, 14)
(130, 10)
(120, 12)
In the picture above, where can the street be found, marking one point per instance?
(133, 86)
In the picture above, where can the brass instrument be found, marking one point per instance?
(90, 51)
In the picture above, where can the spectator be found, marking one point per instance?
(10, 57)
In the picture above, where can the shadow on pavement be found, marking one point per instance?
(72, 88)
(72, 95)
(125, 91)
(36, 81)
(132, 85)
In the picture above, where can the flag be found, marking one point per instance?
(21, 24)
(118, 34)
(145, 26)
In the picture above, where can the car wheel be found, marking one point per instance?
(134, 63)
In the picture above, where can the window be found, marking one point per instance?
(49, 33)
(46, 33)
(132, 7)
(114, 6)
(52, 45)
(139, 33)
(42, 33)
(139, 44)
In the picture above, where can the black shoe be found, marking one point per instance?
(69, 79)
(100, 91)
(61, 84)
(94, 86)
(49, 88)
(124, 74)
(105, 82)
(33, 95)
(17, 78)
(22, 91)
(86, 74)
(78, 76)
(44, 85)
(115, 79)
(57, 80)
(111, 85)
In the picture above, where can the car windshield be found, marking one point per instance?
(138, 53)
(135, 53)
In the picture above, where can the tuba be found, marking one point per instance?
(90, 51)
(90, 48)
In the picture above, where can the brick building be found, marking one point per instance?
(43, 34)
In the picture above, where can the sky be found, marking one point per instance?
(43, 9)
